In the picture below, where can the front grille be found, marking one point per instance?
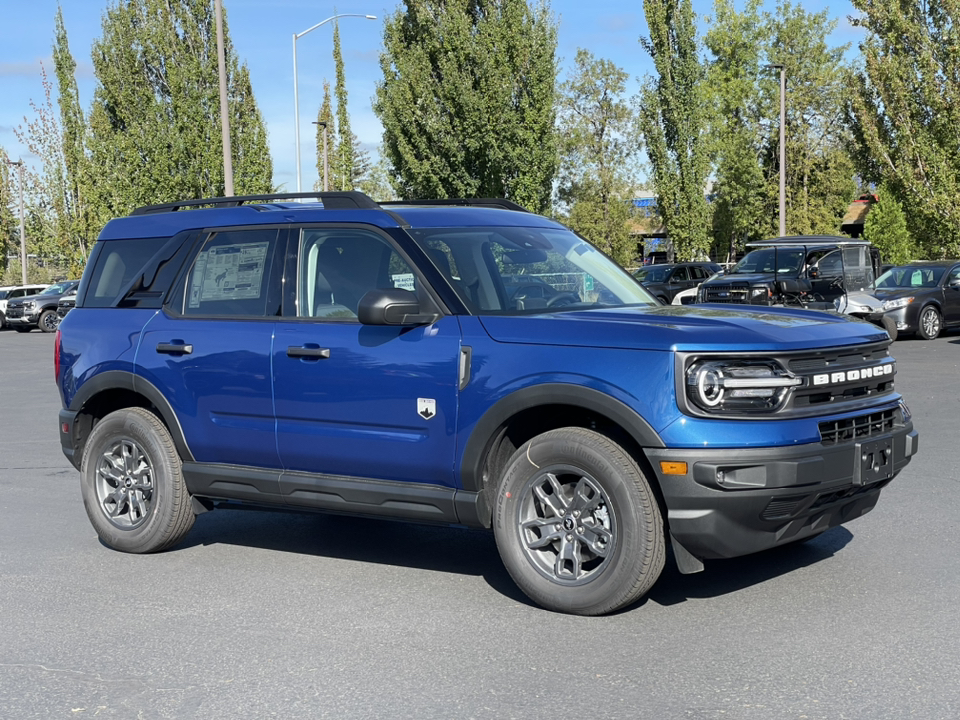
(739, 294)
(829, 392)
(861, 427)
(836, 361)
(14, 312)
(782, 507)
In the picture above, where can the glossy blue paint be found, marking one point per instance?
(221, 391)
(87, 351)
(355, 412)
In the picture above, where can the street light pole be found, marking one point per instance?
(296, 98)
(23, 237)
(783, 146)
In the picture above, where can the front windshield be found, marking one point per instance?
(508, 270)
(56, 289)
(908, 277)
(786, 260)
(652, 274)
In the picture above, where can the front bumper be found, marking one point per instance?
(23, 319)
(734, 502)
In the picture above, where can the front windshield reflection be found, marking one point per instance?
(511, 270)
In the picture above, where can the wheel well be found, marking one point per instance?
(534, 421)
(101, 405)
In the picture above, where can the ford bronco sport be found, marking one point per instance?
(346, 356)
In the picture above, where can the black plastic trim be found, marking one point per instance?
(233, 482)
(124, 380)
(487, 429)
(351, 200)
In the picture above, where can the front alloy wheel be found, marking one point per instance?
(577, 524)
(124, 484)
(930, 323)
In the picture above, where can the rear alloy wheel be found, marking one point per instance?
(48, 321)
(577, 524)
(132, 483)
(930, 323)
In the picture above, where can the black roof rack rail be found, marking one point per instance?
(480, 202)
(349, 200)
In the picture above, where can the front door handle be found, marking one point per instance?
(174, 348)
(308, 352)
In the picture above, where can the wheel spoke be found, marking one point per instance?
(568, 564)
(118, 500)
(550, 532)
(555, 501)
(596, 537)
(585, 497)
(138, 508)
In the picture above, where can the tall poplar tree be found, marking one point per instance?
(326, 121)
(467, 100)
(671, 120)
(344, 154)
(905, 112)
(155, 119)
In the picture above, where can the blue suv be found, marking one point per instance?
(465, 363)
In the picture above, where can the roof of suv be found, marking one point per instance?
(353, 207)
(807, 241)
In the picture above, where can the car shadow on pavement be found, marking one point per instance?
(369, 540)
(474, 552)
(721, 577)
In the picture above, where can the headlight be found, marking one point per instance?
(28, 306)
(726, 387)
(759, 295)
(896, 304)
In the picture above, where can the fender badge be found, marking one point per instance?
(426, 408)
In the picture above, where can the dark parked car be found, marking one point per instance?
(40, 310)
(922, 297)
(665, 281)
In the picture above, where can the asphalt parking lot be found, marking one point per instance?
(263, 615)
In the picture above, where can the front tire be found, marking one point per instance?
(132, 483)
(577, 524)
(48, 321)
(930, 323)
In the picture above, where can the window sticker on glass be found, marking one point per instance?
(229, 272)
(404, 281)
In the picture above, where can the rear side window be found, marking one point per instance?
(231, 275)
(117, 264)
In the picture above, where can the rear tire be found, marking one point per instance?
(132, 483)
(577, 524)
(890, 325)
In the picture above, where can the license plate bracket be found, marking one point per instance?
(874, 461)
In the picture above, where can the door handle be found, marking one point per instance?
(308, 352)
(174, 348)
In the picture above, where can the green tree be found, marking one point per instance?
(155, 119)
(886, 227)
(820, 169)
(325, 121)
(905, 111)
(597, 154)
(672, 123)
(345, 138)
(467, 100)
(9, 199)
(736, 42)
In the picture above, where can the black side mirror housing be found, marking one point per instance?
(814, 273)
(793, 286)
(392, 306)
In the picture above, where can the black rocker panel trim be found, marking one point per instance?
(486, 430)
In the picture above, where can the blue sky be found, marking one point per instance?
(262, 35)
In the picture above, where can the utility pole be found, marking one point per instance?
(783, 145)
(224, 109)
(23, 236)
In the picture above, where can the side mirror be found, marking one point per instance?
(814, 273)
(955, 283)
(392, 306)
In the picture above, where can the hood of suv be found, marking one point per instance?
(685, 327)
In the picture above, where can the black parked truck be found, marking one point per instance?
(809, 271)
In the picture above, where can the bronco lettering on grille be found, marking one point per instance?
(853, 375)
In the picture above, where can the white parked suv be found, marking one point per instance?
(10, 292)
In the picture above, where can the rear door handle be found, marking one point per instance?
(308, 352)
(174, 348)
